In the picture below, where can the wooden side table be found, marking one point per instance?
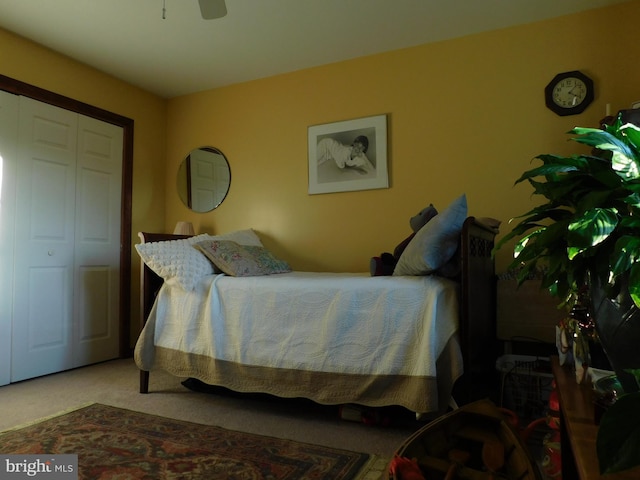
(578, 429)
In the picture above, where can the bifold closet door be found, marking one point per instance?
(66, 248)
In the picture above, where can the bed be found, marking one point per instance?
(331, 338)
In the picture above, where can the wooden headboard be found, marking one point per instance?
(477, 302)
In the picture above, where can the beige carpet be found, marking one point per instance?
(116, 383)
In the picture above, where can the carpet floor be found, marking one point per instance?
(118, 443)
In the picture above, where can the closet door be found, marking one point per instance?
(97, 241)
(67, 241)
(8, 143)
(44, 240)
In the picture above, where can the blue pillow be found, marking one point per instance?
(435, 243)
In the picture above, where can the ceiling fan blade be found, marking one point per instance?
(212, 9)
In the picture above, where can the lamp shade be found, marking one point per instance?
(184, 228)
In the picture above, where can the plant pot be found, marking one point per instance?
(617, 322)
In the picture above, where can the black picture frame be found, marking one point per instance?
(326, 176)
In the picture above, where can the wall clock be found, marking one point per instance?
(569, 93)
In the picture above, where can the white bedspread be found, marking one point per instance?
(321, 322)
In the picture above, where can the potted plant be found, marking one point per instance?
(587, 234)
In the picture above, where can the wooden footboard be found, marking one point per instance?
(477, 309)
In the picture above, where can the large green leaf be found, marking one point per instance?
(589, 130)
(633, 200)
(547, 169)
(607, 178)
(618, 441)
(624, 157)
(632, 223)
(568, 185)
(545, 241)
(634, 283)
(632, 132)
(577, 161)
(625, 254)
(625, 165)
(567, 190)
(601, 139)
(525, 244)
(593, 199)
(533, 220)
(517, 231)
(592, 228)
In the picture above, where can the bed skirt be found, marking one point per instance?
(416, 393)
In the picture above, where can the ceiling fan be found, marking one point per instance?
(211, 9)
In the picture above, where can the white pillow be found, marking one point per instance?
(243, 237)
(435, 243)
(178, 262)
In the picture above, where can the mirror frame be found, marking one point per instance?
(183, 180)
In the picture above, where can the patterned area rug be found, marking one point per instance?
(113, 443)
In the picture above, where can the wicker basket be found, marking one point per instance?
(479, 429)
(526, 384)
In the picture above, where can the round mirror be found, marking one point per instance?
(203, 179)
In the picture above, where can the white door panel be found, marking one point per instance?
(97, 252)
(50, 202)
(94, 304)
(93, 193)
(44, 240)
(47, 319)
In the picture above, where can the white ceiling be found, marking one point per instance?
(183, 53)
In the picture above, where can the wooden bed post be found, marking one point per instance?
(478, 336)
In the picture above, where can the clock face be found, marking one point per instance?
(569, 93)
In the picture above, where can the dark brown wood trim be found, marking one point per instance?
(17, 87)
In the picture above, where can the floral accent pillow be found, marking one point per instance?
(242, 260)
(179, 263)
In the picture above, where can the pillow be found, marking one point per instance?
(176, 261)
(417, 222)
(452, 268)
(179, 263)
(435, 243)
(241, 260)
(243, 237)
(267, 260)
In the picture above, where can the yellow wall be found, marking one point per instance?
(465, 115)
(33, 64)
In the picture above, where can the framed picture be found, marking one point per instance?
(349, 155)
